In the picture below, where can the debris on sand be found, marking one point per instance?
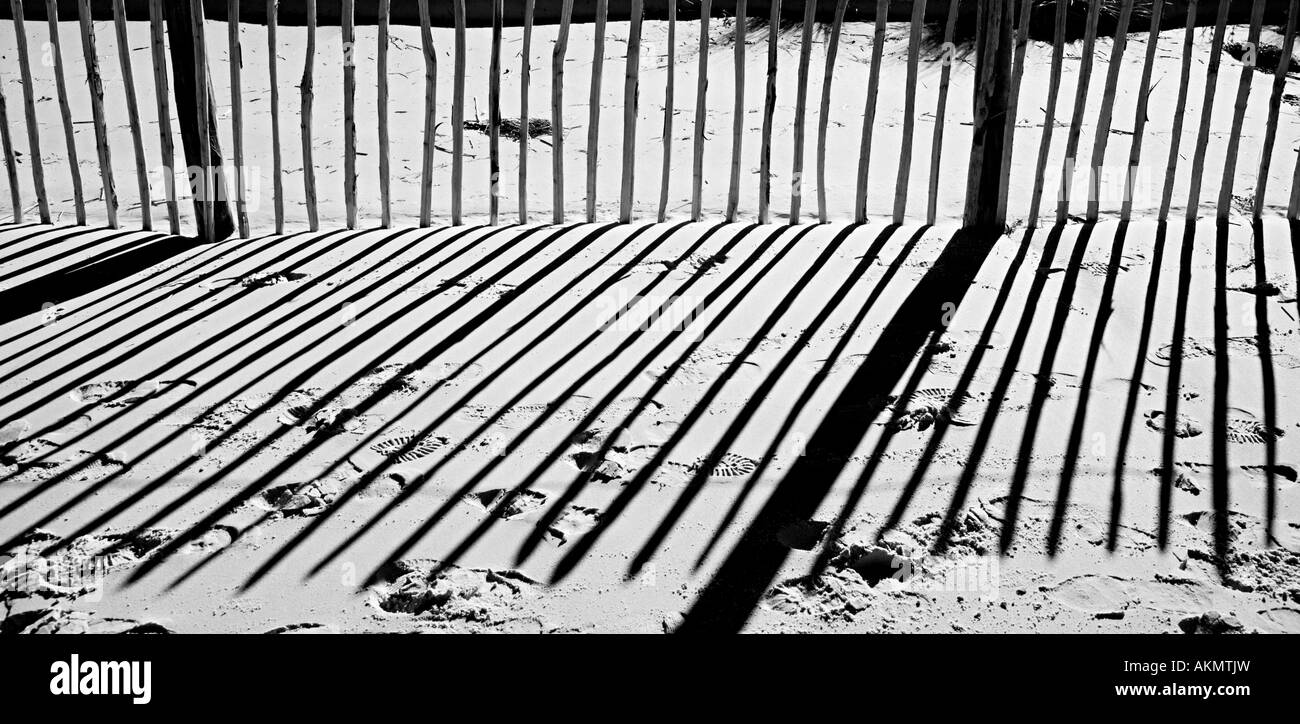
(510, 128)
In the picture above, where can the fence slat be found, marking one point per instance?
(381, 99)
(869, 115)
(277, 169)
(133, 114)
(557, 112)
(941, 108)
(1140, 116)
(1274, 109)
(494, 114)
(1080, 105)
(1013, 105)
(909, 112)
(1107, 110)
(1239, 114)
(348, 32)
(701, 113)
(307, 96)
(458, 113)
(237, 112)
(823, 118)
(161, 96)
(29, 109)
(631, 93)
(11, 166)
(525, 73)
(207, 188)
(769, 108)
(800, 110)
(593, 105)
(1049, 115)
(668, 110)
(96, 84)
(1176, 135)
(61, 85)
(430, 85)
(738, 112)
(1207, 110)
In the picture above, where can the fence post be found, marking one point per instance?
(992, 94)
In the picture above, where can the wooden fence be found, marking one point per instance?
(1000, 59)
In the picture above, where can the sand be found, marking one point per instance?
(450, 429)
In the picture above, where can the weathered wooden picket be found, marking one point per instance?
(1001, 21)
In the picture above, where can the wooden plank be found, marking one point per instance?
(430, 85)
(133, 114)
(11, 165)
(909, 112)
(1140, 116)
(823, 118)
(593, 105)
(458, 114)
(349, 34)
(525, 73)
(1274, 109)
(940, 111)
(34, 158)
(65, 111)
(237, 112)
(769, 108)
(1107, 109)
(381, 99)
(1207, 111)
(277, 166)
(869, 114)
(207, 187)
(1013, 105)
(1239, 115)
(494, 114)
(557, 112)
(631, 92)
(96, 85)
(307, 96)
(1176, 134)
(738, 110)
(800, 110)
(161, 98)
(1080, 105)
(1049, 116)
(701, 112)
(666, 175)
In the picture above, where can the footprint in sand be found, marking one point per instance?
(78, 567)
(526, 505)
(407, 448)
(1184, 426)
(124, 392)
(1201, 348)
(730, 468)
(928, 406)
(431, 590)
(1109, 596)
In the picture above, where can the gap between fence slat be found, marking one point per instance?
(1107, 109)
(1274, 109)
(494, 114)
(769, 107)
(237, 113)
(277, 168)
(1176, 136)
(1049, 114)
(668, 111)
(909, 111)
(525, 124)
(430, 84)
(823, 118)
(701, 113)
(65, 111)
(1140, 116)
(1239, 114)
(29, 109)
(1013, 105)
(738, 111)
(1076, 118)
(800, 110)
(1207, 110)
(557, 112)
(940, 111)
(133, 114)
(631, 92)
(11, 166)
(96, 85)
(869, 114)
